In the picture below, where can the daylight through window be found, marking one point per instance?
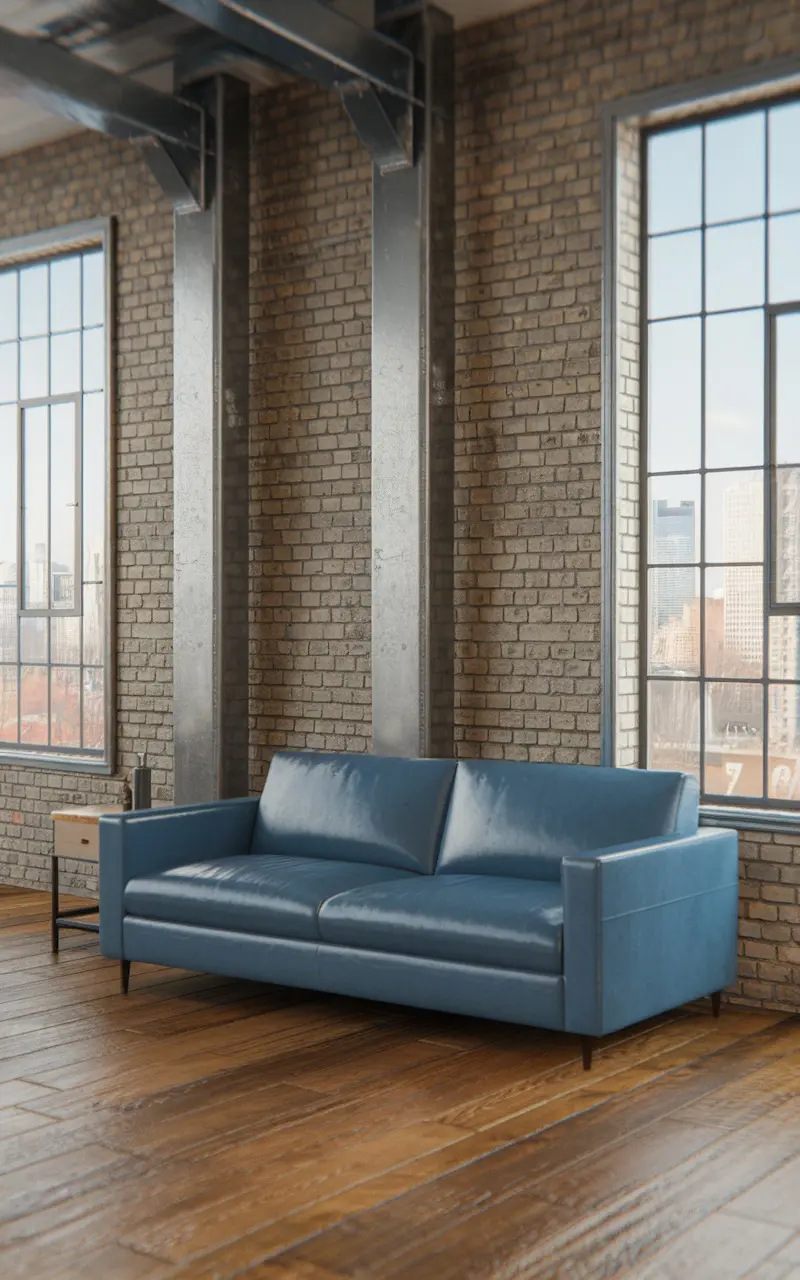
(53, 514)
(722, 511)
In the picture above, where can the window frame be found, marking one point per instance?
(741, 804)
(772, 313)
(18, 251)
(622, 122)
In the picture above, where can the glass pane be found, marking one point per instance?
(674, 503)
(94, 309)
(9, 363)
(65, 364)
(65, 642)
(784, 648)
(734, 517)
(63, 505)
(33, 639)
(65, 707)
(33, 705)
(734, 754)
(786, 518)
(34, 503)
(94, 488)
(9, 507)
(93, 709)
(674, 275)
(674, 164)
(735, 390)
(784, 258)
(735, 168)
(783, 773)
(784, 157)
(34, 371)
(673, 725)
(674, 396)
(674, 612)
(65, 294)
(735, 622)
(94, 360)
(8, 704)
(33, 301)
(8, 305)
(735, 266)
(93, 627)
(787, 388)
(8, 622)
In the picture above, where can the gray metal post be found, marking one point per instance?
(211, 319)
(412, 422)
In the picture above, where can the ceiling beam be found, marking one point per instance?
(309, 39)
(69, 86)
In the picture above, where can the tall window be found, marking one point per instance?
(722, 452)
(53, 516)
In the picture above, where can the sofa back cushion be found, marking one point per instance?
(354, 808)
(514, 819)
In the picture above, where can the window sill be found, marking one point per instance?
(784, 821)
(57, 763)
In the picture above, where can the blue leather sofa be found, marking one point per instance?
(566, 897)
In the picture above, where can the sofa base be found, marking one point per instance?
(506, 995)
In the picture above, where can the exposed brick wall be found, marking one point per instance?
(310, 407)
(530, 90)
(627, 481)
(79, 178)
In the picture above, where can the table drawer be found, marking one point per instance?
(76, 840)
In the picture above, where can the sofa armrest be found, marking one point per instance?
(147, 841)
(647, 927)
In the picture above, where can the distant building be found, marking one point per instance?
(743, 541)
(673, 615)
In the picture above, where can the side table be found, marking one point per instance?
(75, 835)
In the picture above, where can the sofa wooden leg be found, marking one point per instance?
(587, 1047)
(716, 1002)
(124, 975)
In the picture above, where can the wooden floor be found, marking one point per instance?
(204, 1128)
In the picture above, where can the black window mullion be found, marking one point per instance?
(78, 583)
(644, 348)
(701, 763)
(768, 403)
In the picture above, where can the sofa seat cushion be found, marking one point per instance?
(267, 894)
(479, 920)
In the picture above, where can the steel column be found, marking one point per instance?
(412, 423)
(211, 345)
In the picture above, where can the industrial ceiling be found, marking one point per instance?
(141, 38)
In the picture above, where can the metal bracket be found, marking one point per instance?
(383, 122)
(179, 173)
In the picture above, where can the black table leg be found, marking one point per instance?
(54, 904)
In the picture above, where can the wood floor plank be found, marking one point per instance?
(525, 1166)
(204, 1129)
(721, 1247)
